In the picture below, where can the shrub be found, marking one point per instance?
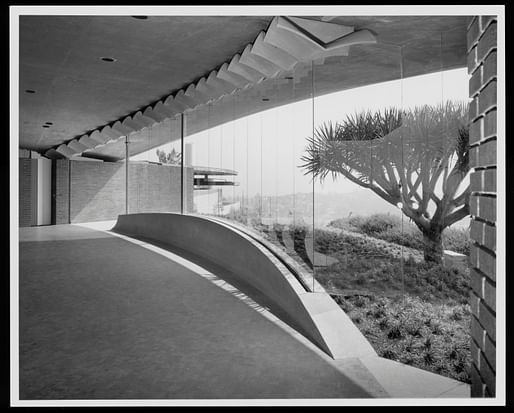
(356, 319)
(409, 347)
(341, 223)
(456, 314)
(408, 360)
(395, 332)
(389, 228)
(437, 329)
(389, 354)
(427, 343)
(452, 354)
(376, 223)
(378, 312)
(459, 366)
(428, 357)
(360, 302)
(408, 237)
(414, 330)
(457, 239)
(383, 324)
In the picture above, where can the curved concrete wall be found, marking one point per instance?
(231, 250)
(315, 315)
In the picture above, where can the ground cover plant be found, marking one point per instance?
(411, 311)
(433, 337)
(391, 228)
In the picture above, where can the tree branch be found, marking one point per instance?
(461, 199)
(456, 216)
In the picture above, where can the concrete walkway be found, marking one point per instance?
(103, 318)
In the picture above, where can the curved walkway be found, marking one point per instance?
(103, 318)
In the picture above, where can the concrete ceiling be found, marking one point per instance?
(60, 58)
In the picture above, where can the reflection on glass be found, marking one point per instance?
(228, 203)
(387, 152)
(391, 164)
(353, 182)
(365, 188)
(240, 126)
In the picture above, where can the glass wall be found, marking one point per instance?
(355, 156)
(391, 239)
(364, 187)
(248, 169)
(357, 171)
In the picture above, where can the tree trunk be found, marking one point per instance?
(433, 245)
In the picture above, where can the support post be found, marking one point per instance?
(126, 174)
(182, 163)
(69, 191)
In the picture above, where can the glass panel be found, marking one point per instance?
(435, 140)
(254, 168)
(298, 235)
(381, 149)
(215, 149)
(229, 205)
(456, 236)
(355, 155)
(196, 148)
(269, 159)
(427, 149)
(240, 126)
(155, 174)
(247, 161)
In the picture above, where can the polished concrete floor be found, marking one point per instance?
(103, 318)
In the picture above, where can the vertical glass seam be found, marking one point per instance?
(182, 201)
(313, 181)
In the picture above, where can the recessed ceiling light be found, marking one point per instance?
(140, 17)
(30, 91)
(108, 59)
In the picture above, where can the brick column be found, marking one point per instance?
(27, 188)
(482, 41)
(61, 191)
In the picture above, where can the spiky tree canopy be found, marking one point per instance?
(416, 157)
(172, 158)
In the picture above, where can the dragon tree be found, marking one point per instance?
(416, 159)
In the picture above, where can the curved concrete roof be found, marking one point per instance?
(60, 58)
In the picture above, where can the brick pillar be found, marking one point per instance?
(61, 191)
(27, 188)
(482, 41)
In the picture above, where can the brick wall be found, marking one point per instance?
(482, 41)
(98, 189)
(60, 191)
(27, 189)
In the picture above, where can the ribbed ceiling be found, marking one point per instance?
(199, 60)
